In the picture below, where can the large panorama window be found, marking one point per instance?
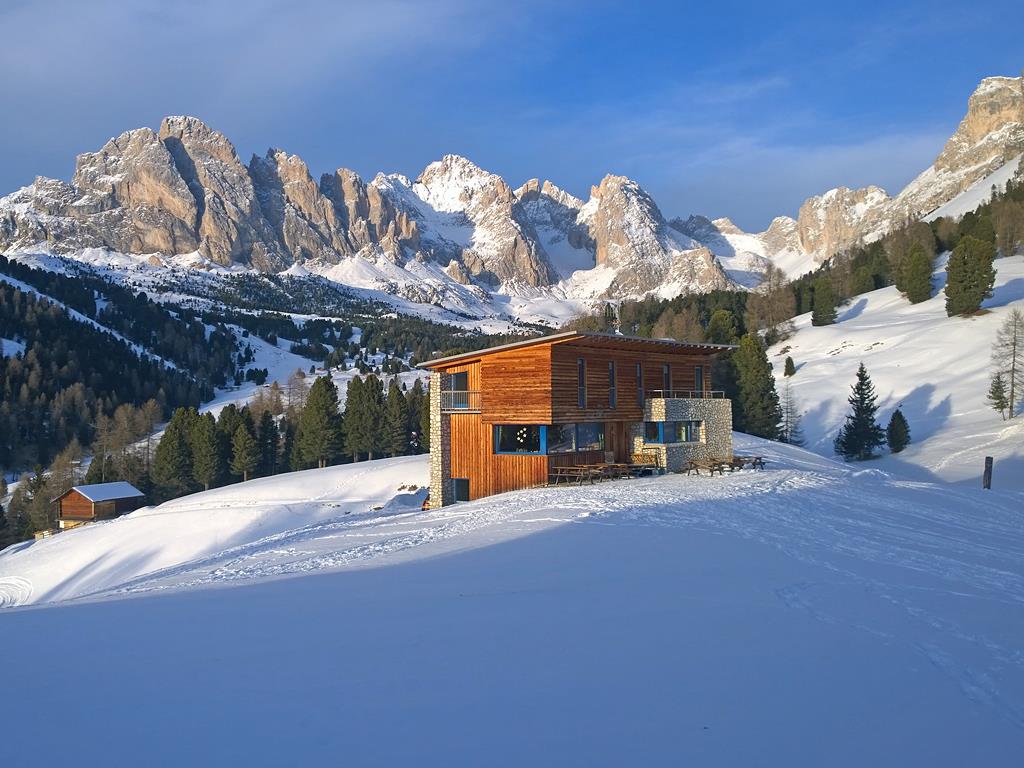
(672, 431)
(569, 438)
(520, 438)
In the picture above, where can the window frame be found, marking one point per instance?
(496, 440)
(698, 379)
(613, 386)
(640, 385)
(581, 383)
(666, 379)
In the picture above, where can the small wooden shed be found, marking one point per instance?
(99, 501)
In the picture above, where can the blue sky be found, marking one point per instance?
(725, 108)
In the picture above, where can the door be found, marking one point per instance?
(460, 488)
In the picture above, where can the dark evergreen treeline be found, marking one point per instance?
(69, 374)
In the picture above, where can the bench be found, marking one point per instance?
(711, 465)
(643, 461)
(573, 474)
(754, 462)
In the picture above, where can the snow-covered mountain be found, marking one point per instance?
(459, 238)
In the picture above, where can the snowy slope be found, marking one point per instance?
(935, 367)
(810, 614)
(978, 193)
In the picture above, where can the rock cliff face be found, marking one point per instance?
(990, 135)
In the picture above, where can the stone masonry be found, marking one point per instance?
(715, 416)
(441, 492)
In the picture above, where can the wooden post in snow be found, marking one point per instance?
(986, 480)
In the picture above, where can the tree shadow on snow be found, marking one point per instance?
(855, 310)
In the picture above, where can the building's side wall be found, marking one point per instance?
(74, 506)
(565, 403)
(516, 386)
(716, 430)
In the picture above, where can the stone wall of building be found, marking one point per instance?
(715, 415)
(441, 492)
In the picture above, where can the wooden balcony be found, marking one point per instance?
(460, 401)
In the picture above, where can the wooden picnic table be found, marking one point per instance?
(573, 473)
(721, 464)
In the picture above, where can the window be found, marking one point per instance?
(613, 389)
(460, 489)
(672, 431)
(459, 382)
(520, 438)
(640, 385)
(698, 379)
(562, 438)
(666, 379)
(581, 383)
(590, 437)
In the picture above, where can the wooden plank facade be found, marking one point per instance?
(538, 382)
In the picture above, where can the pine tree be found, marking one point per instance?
(824, 312)
(997, 397)
(396, 421)
(172, 460)
(860, 435)
(759, 411)
(3, 483)
(356, 426)
(790, 368)
(425, 424)
(897, 433)
(790, 431)
(417, 403)
(319, 440)
(917, 274)
(245, 454)
(970, 276)
(207, 458)
(269, 439)
(1008, 358)
(722, 327)
(373, 399)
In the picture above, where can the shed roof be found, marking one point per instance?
(108, 491)
(603, 339)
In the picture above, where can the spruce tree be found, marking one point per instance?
(417, 403)
(997, 397)
(824, 312)
(897, 433)
(970, 276)
(917, 274)
(319, 440)
(860, 435)
(207, 459)
(759, 411)
(790, 367)
(269, 439)
(373, 399)
(425, 424)
(722, 327)
(396, 421)
(172, 460)
(355, 419)
(245, 454)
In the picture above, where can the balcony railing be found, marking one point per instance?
(684, 394)
(460, 401)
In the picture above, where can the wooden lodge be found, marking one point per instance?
(507, 417)
(99, 501)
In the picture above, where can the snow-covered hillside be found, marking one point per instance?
(934, 367)
(809, 614)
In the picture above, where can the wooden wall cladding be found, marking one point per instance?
(76, 506)
(488, 473)
(565, 406)
(516, 386)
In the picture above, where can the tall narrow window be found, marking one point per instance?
(581, 383)
(698, 380)
(640, 385)
(613, 389)
(666, 380)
